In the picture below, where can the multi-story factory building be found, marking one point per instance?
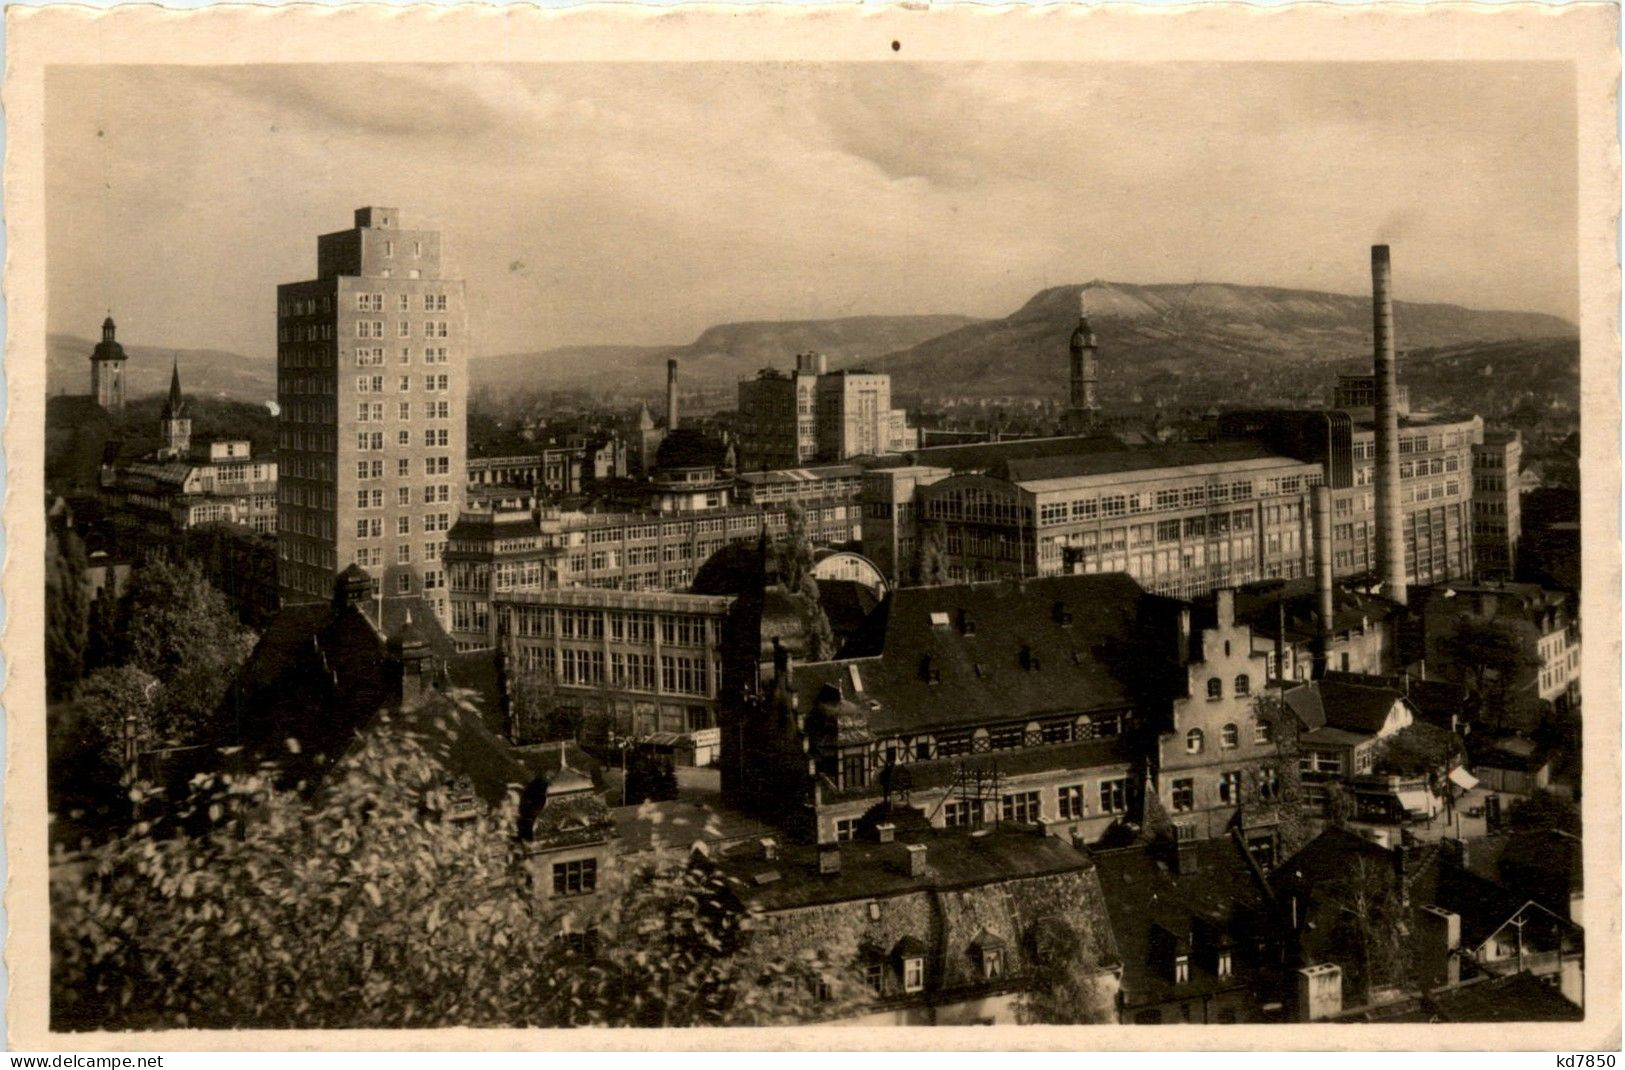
(663, 551)
(813, 414)
(1497, 516)
(631, 663)
(371, 360)
(492, 552)
(1182, 520)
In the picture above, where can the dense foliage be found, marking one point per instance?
(365, 907)
(1495, 656)
(67, 611)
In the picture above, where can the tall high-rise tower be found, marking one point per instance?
(174, 424)
(372, 383)
(107, 370)
(1083, 405)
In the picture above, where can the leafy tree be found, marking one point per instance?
(1544, 810)
(121, 702)
(174, 625)
(67, 611)
(1369, 926)
(363, 907)
(1066, 986)
(1274, 782)
(1495, 655)
(103, 644)
(533, 713)
(1339, 805)
(1418, 748)
(929, 567)
(649, 777)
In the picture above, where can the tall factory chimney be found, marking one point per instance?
(1390, 537)
(1324, 605)
(671, 395)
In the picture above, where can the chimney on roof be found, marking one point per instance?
(1225, 607)
(1184, 652)
(1390, 537)
(770, 849)
(1185, 863)
(408, 667)
(885, 832)
(1324, 606)
(1438, 939)
(829, 859)
(671, 395)
(1320, 992)
(915, 859)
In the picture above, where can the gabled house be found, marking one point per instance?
(1341, 728)
(1197, 932)
(1004, 702)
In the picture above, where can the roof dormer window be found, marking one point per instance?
(1182, 969)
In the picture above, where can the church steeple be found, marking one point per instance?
(107, 369)
(1083, 405)
(174, 424)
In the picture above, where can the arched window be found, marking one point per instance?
(1229, 737)
(1215, 689)
(1244, 685)
(1193, 741)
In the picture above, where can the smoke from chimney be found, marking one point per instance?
(671, 395)
(1390, 539)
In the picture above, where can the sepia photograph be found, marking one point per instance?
(914, 541)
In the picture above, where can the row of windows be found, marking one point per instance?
(375, 329)
(373, 356)
(1182, 790)
(373, 302)
(374, 384)
(1229, 737)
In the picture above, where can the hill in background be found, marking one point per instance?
(719, 357)
(204, 372)
(1187, 341)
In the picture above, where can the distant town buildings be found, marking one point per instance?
(372, 383)
(177, 487)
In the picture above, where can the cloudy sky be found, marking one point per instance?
(596, 203)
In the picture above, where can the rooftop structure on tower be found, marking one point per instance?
(107, 369)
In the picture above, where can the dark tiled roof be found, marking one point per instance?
(847, 604)
(1153, 907)
(1061, 644)
(1325, 858)
(1520, 997)
(1484, 905)
(871, 870)
(1331, 703)
(691, 448)
(1260, 605)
